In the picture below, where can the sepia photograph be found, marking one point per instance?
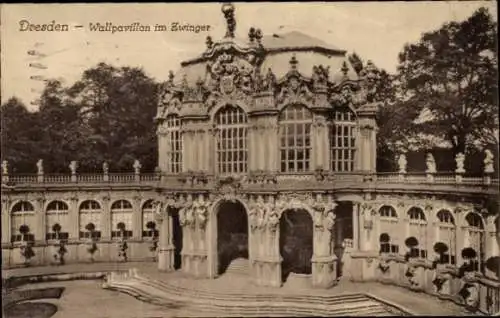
(259, 159)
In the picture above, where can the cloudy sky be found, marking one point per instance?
(376, 31)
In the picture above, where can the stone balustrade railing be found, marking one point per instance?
(326, 176)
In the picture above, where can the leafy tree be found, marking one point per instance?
(450, 76)
(20, 136)
(117, 108)
(60, 120)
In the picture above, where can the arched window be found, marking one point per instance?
(148, 220)
(231, 149)
(295, 138)
(57, 213)
(343, 140)
(446, 235)
(475, 240)
(174, 144)
(90, 213)
(23, 214)
(387, 212)
(386, 246)
(121, 212)
(418, 230)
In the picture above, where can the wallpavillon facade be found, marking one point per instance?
(267, 153)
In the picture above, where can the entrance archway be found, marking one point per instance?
(232, 235)
(176, 237)
(342, 230)
(296, 242)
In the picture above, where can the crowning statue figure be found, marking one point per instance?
(488, 162)
(431, 163)
(39, 166)
(5, 167)
(460, 159)
(402, 163)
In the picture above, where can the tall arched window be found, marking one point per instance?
(174, 144)
(295, 138)
(121, 212)
(231, 149)
(148, 220)
(446, 235)
(23, 213)
(343, 140)
(418, 230)
(57, 213)
(90, 213)
(475, 239)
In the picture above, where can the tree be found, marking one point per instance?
(450, 77)
(20, 136)
(60, 122)
(117, 108)
(394, 120)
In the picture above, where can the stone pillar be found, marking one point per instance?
(165, 250)
(252, 149)
(106, 219)
(185, 151)
(324, 261)
(326, 146)
(41, 220)
(272, 261)
(6, 220)
(275, 150)
(212, 150)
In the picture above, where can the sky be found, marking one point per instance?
(376, 31)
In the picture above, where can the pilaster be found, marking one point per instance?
(106, 219)
(165, 250)
(137, 218)
(40, 219)
(6, 220)
(74, 216)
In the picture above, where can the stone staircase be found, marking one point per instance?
(195, 302)
(238, 266)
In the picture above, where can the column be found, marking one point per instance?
(6, 220)
(208, 150)
(276, 166)
(40, 218)
(252, 150)
(324, 261)
(212, 151)
(261, 144)
(185, 151)
(326, 147)
(165, 257)
(137, 225)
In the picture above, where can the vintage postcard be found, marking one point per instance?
(249, 159)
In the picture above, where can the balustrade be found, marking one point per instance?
(312, 176)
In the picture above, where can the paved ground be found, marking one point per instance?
(88, 299)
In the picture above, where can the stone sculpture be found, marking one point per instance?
(39, 166)
(488, 162)
(137, 166)
(402, 163)
(5, 167)
(460, 159)
(73, 166)
(431, 163)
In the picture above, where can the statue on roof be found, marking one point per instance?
(228, 11)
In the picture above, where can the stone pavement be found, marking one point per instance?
(418, 303)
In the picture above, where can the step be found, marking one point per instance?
(271, 308)
(238, 266)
